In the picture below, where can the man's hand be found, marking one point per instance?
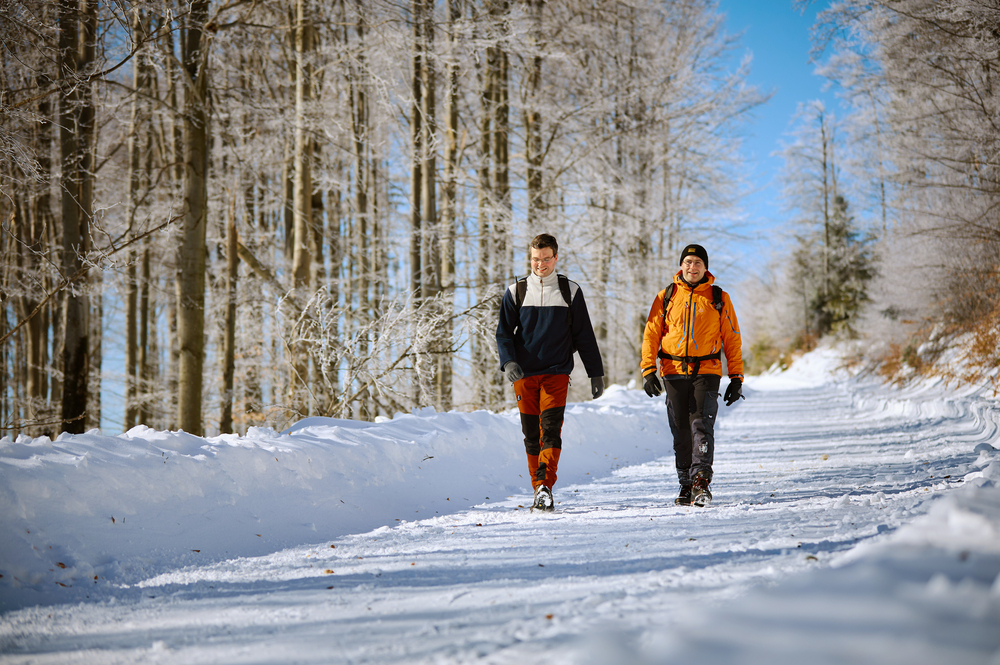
(514, 371)
(597, 386)
(734, 391)
(651, 384)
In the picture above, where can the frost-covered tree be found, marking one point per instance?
(833, 261)
(310, 208)
(809, 176)
(929, 70)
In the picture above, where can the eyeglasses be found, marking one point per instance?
(545, 261)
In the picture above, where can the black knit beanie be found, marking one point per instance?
(697, 250)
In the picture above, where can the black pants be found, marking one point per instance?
(692, 405)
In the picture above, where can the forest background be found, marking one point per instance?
(248, 212)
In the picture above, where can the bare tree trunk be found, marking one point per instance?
(20, 262)
(96, 351)
(319, 280)
(24, 263)
(449, 190)
(364, 183)
(533, 118)
(38, 229)
(603, 278)
(302, 253)
(495, 249)
(430, 257)
(229, 340)
(6, 415)
(140, 85)
(501, 161)
(191, 257)
(175, 150)
(288, 182)
(131, 343)
(317, 272)
(502, 228)
(44, 235)
(144, 383)
(425, 250)
(77, 27)
(335, 242)
(419, 225)
(416, 173)
(484, 270)
(58, 341)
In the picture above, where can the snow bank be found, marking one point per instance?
(116, 509)
(807, 371)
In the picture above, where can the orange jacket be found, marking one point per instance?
(692, 329)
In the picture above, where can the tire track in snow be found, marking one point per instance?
(802, 477)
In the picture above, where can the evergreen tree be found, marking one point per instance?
(833, 305)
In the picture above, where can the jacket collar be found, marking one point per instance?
(548, 280)
(709, 278)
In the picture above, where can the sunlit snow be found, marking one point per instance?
(853, 522)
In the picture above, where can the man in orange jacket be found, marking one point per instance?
(688, 334)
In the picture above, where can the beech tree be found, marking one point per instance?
(77, 42)
(313, 209)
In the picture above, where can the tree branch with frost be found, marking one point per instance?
(384, 356)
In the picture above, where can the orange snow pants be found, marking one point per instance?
(542, 403)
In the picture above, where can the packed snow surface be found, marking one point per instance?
(853, 523)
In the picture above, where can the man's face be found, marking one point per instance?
(692, 269)
(543, 261)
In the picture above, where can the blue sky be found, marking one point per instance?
(778, 37)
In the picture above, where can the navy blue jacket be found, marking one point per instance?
(538, 337)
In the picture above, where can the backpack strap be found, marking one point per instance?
(520, 291)
(667, 295)
(564, 289)
(717, 298)
(568, 297)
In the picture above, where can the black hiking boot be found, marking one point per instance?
(700, 494)
(684, 498)
(543, 499)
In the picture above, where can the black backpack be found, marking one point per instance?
(688, 360)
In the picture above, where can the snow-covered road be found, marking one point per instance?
(852, 523)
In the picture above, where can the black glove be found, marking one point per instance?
(597, 386)
(651, 384)
(514, 371)
(734, 391)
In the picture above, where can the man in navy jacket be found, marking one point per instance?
(543, 319)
